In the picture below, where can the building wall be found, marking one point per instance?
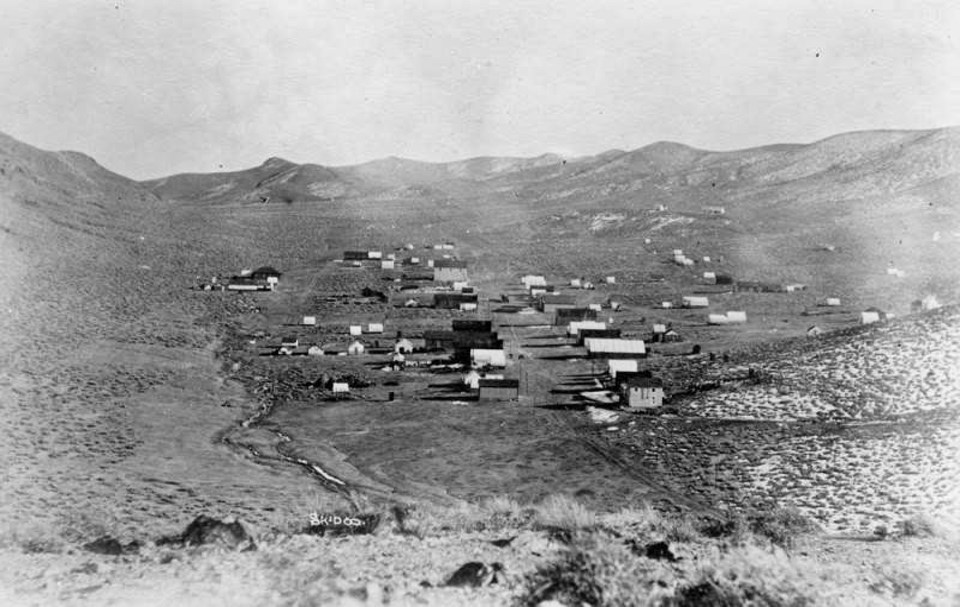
(645, 398)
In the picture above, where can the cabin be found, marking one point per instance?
(642, 393)
(403, 346)
(710, 278)
(599, 347)
(576, 326)
(450, 270)
(611, 280)
(480, 357)
(266, 273)
(575, 283)
(375, 327)
(671, 336)
(355, 256)
(832, 302)
(388, 264)
(621, 365)
(309, 321)
(498, 389)
(736, 316)
(451, 300)
(794, 287)
(465, 324)
(717, 319)
(529, 281)
(356, 349)
(468, 307)
(659, 328)
(564, 316)
(549, 303)
(868, 317)
(706, 259)
(315, 351)
(695, 301)
(356, 330)
(374, 255)
(340, 387)
(666, 305)
(291, 341)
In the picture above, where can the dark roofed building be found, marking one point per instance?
(355, 256)
(452, 300)
(499, 389)
(265, 272)
(567, 315)
(551, 302)
(484, 326)
(449, 270)
(583, 334)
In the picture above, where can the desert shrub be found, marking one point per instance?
(642, 520)
(896, 582)
(749, 575)
(502, 512)
(425, 520)
(919, 525)
(561, 513)
(783, 526)
(597, 571)
(34, 538)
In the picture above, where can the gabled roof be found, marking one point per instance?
(266, 271)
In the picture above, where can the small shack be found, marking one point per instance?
(498, 389)
(403, 346)
(375, 327)
(450, 270)
(290, 341)
(315, 351)
(549, 303)
(642, 393)
(832, 302)
(695, 301)
(620, 365)
(309, 321)
(564, 316)
(529, 281)
(356, 330)
(710, 278)
(356, 349)
(388, 264)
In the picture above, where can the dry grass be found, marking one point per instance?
(562, 513)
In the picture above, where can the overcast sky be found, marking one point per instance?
(154, 87)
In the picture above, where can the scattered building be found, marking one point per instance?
(576, 326)
(403, 346)
(374, 254)
(869, 317)
(356, 349)
(356, 330)
(710, 278)
(529, 281)
(794, 287)
(450, 270)
(309, 321)
(291, 341)
(833, 302)
(355, 256)
(736, 316)
(642, 393)
(498, 389)
(340, 387)
(481, 326)
(315, 351)
(451, 300)
(564, 316)
(619, 365)
(695, 301)
(388, 264)
(586, 333)
(549, 303)
(375, 327)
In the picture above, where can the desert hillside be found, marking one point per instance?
(132, 401)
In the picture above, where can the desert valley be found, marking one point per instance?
(661, 345)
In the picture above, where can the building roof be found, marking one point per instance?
(266, 271)
(639, 381)
(449, 263)
(615, 346)
(558, 298)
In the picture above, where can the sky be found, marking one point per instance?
(156, 87)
